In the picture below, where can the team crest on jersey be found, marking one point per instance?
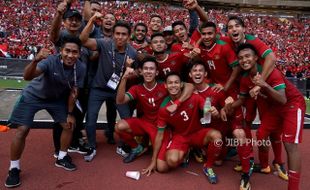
(173, 62)
(190, 106)
(159, 94)
(216, 56)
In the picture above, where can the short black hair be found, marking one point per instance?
(195, 63)
(178, 22)
(124, 24)
(157, 34)
(156, 15)
(171, 74)
(148, 58)
(237, 19)
(71, 39)
(140, 24)
(207, 24)
(246, 46)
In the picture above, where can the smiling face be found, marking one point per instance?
(236, 31)
(155, 24)
(108, 21)
(70, 53)
(158, 44)
(149, 71)
(180, 33)
(198, 73)
(140, 33)
(173, 85)
(247, 59)
(208, 35)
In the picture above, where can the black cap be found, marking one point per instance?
(72, 13)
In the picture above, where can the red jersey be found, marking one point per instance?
(219, 60)
(148, 100)
(177, 47)
(262, 49)
(140, 47)
(218, 101)
(175, 62)
(186, 120)
(277, 81)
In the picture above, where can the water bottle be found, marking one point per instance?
(206, 114)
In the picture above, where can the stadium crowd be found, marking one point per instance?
(288, 37)
(102, 56)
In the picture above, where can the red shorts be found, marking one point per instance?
(141, 127)
(289, 122)
(183, 143)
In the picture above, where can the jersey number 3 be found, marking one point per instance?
(185, 116)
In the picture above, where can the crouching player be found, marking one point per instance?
(186, 131)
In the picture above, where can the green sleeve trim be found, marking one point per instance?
(234, 64)
(211, 84)
(129, 95)
(267, 52)
(249, 37)
(165, 101)
(280, 86)
(220, 42)
(161, 129)
(245, 74)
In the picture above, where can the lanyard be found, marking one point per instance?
(74, 75)
(114, 60)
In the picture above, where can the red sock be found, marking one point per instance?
(212, 153)
(245, 153)
(277, 151)
(128, 138)
(263, 155)
(293, 180)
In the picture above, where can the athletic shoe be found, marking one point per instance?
(55, 154)
(134, 153)
(212, 178)
(185, 162)
(13, 179)
(252, 165)
(266, 170)
(90, 155)
(78, 149)
(238, 167)
(123, 150)
(198, 155)
(65, 163)
(281, 171)
(245, 182)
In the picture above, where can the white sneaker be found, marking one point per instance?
(90, 155)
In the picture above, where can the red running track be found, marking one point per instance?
(107, 170)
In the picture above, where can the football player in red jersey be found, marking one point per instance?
(173, 62)
(222, 64)
(149, 96)
(283, 100)
(186, 131)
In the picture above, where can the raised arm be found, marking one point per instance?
(86, 10)
(121, 97)
(56, 23)
(90, 43)
(193, 5)
(31, 71)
